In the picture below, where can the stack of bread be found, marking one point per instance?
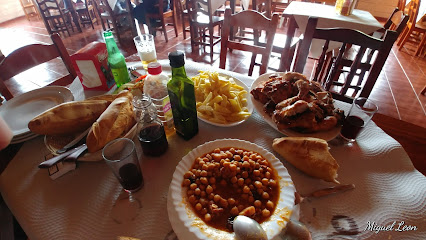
(108, 116)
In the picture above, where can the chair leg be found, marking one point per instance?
(183, 27)
(164, 29)
(211, 30)
(405, 39)
(421, 45)
(423, 91)
(175, 24)
(253, 60)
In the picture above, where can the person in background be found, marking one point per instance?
(149, 6)
(120, 7)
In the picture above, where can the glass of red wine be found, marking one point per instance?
(120, 155)
(360, 113)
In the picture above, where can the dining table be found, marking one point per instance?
(389, 191)
(360, 20)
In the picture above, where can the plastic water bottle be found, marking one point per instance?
(155, 86)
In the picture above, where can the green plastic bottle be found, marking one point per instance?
(116, 60)
(182, 97)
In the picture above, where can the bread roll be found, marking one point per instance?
(310, 155)
(112, 97)
(67, 118)
(115, 122)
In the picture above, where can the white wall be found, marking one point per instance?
(10, 9)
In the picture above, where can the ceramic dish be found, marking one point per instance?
(19, 111)
(326, 135)
(249, 106)
(190, 226)
(54, 143)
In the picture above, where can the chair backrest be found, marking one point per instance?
(263, 6)
(197, 7)
(49, 8)
(347, 37)
(32, 55)
(412, 9)
(397, 21)
(248, 19)
(401, 4)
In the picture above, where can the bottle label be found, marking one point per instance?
(121, 76)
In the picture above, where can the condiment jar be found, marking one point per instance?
(155, 86)
(150, 130)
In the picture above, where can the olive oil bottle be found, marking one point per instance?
(182, 97)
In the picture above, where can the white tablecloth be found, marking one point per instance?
(328, 18)
(78, 205)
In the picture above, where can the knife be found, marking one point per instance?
(71, 155)
(73, 142)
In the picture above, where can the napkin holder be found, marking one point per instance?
(91, 65)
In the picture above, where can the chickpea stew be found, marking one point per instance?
(228, 182)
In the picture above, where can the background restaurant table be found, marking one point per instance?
(328, 18)
(78, 205)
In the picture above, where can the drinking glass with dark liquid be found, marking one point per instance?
(360, 113)
(120, 155)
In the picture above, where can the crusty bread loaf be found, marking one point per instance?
(115, 122)
(310, 155)
(112, 97)
(67, 118)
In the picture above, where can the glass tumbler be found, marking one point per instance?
(146, 49)
(360, 113)
(120, 155)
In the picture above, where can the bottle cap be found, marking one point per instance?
(177, 59)
(154, 68)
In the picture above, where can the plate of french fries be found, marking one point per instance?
(222, 100)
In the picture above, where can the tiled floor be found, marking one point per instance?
(397, 90)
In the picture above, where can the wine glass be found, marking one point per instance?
(120, 155)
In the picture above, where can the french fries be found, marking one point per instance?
(220, 99)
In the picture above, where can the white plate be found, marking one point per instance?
(249, 105)
(19, 111)
(190, 226)
(326, 135)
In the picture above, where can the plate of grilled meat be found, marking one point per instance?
(296, 106)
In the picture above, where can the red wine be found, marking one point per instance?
(130, 177)
(153, 140)
(351, 127)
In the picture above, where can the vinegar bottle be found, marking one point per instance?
(116, 60)
(182, 97)
(155, 86)
(150, 129)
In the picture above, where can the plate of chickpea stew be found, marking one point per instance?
(224, 178)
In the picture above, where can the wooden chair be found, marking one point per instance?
(160, 15)
(86, 13)
(54, 17)
(29, 9)
(401, 5)
(248, 19)
(108, 17)
(183, 14)
(413, 27)
(348, 37)
(397, 22)
(32, 55)
(202, 18)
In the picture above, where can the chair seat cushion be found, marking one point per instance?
(204, 19)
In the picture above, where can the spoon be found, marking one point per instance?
(246, 228)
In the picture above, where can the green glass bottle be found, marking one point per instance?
(182, 97)
(116, 60)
